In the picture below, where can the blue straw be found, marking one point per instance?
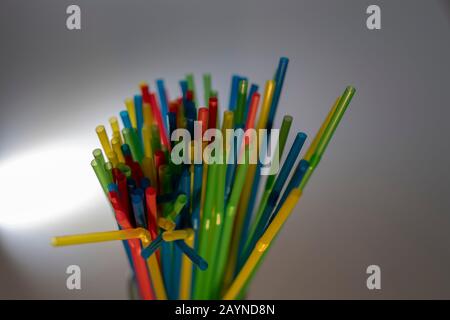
(184, 90)
(145, 183)
(297, 177)
(166, 263)
(234, 92)
(126, 150)
(139, 116)
(154, 245)
(163, 101)
(192, 254)
(125, 119)
(138, 207)
(275, 193)
(280, 75)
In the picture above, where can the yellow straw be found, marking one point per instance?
(313, 145)
(262, 245)
(129, 103)
(246, 191)
(177, 234)
(115, 142)
(115, 128)
(138, 233)
(112, 157)
(148, 117)
(103, 137)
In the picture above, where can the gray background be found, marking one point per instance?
(380, 195)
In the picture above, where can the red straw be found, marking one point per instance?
(213, 105)
(140, 266)
(159, 120)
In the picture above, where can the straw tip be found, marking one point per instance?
(54, 241)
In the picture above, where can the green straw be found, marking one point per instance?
(207, 84)
(131, 139)
(109, 174)
(241, 102)
(191, 86)
(212, 289)
(126, 170)
(230, 214)
(205, 231)
(101, 175)
(344, 101)
(156, 138)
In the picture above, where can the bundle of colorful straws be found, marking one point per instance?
(193, 230)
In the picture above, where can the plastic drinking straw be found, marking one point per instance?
(139, 115)
(127, 234)
(112, 157)
(131, 141)
(286, 209)
(234, 92)
(180, 234)
(344, 101)
(129, 104)
(212, 107)
(152, 211)
(98, 156)
(166, 224)
(280, 75)
(230, 212)
(295, 180)
(156, 139)
(207, 85)
(253, 88)
(116, 143)
(147, 114)
(101, 175)
(142, 277)
(211, 288)
(313, 145)
(164, 102)
(186, 271)
(261, 221)
(196, 195)
(148, 164)
(156, 112)
(192, 255)
(241, 102)
(95, 237)
(108, 170)
(191, 86)
(125, 116)
(115, 128)
(206, 225)
(239, 124)
(103, 137)
(138, 208)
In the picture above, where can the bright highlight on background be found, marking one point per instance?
(44, 184)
